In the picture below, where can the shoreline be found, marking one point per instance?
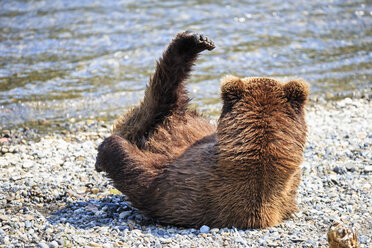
(51, 196)
(211, 111)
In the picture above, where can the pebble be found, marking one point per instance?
(333, 179)
(94, 244)
(364, 239)
(53, 244)
(51, 188)
(204, 229)
(81, 190)
(165, 241)
(4, 218)
(94, 191)
(27, 164)
(27, 224)
(338, 170)
(42, 245)
(124, 214)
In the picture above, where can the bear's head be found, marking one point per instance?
(262, 118)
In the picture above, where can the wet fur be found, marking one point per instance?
(178, 168)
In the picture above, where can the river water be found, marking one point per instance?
(92, 59)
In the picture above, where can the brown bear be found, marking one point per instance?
(177, 167)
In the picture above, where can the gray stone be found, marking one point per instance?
(363, 239)
(28, 224)
(27, 164)
(333, 179)
(204, 229)
(338, 169)
(53, 244)
(42, 245)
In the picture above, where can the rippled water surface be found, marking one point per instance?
(92, 59)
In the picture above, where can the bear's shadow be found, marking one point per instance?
(112, 211)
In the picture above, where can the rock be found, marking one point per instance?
(341, 236)
(124, 214)
(368, 168)
(80, 158)
(29, 217)
(204, 229)
(49, 231)
(42, 245)
(53, 244)
(165, 241)
(5, 240)
(94, 244)
(81, 190)
(4, 217)
(363, 239)
(28, 224)
(273, 243)
(350, 167)
(338, 169)
(68, 164)
(333, 179)
(329, 95)
(94, 191)
(27, 164)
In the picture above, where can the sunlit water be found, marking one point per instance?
(92, 59)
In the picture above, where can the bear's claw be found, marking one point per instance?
(206, 41)
(199, 39)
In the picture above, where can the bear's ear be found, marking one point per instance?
(296, 93)
(232, 88)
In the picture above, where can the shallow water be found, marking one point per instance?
(92, 59)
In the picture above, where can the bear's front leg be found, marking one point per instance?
(165, 95)
(189, 43)
(166, 91)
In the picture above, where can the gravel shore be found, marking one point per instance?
(51, 196)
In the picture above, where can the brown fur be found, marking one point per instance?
(179, 169)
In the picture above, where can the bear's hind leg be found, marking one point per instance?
(166, 94)
(131, 170)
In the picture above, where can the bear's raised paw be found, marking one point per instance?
(197, 41)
